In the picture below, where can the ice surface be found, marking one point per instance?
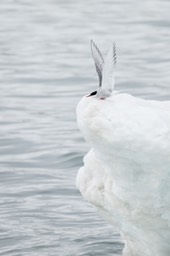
(126, 174)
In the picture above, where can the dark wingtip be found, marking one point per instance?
(114, 54)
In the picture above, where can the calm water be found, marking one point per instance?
(45, 68)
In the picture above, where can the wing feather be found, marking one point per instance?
(108, 76)
(98, 60)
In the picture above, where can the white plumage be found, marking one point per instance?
(126, 174)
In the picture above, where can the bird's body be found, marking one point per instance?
(126, 174)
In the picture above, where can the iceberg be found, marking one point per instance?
(126, 174)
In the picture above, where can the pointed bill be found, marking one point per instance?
(108, 75)
(98, 60)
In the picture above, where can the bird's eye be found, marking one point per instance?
(93, 93)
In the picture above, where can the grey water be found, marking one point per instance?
(45, 69)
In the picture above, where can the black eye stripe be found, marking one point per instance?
(93, 93)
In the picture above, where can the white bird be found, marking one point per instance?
(126, 174)
(105, 71)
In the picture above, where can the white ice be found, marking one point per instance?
(126, 174)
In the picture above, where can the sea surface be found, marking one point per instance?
(45, 69)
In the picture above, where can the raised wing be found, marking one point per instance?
(98, 60)
(108, 74)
